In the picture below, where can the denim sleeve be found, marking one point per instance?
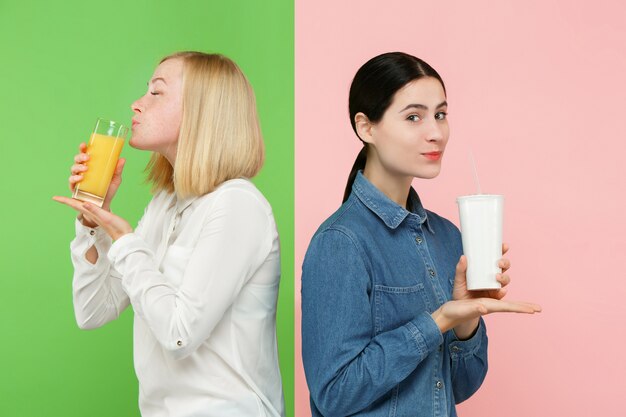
(347, 366)
(469, 362)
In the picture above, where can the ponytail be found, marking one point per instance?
(359, 164)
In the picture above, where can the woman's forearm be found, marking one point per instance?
(467, 329)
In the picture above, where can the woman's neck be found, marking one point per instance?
(396, 187)
(170, 153)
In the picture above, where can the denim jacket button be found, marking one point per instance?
(418, 240)
(439, 384)
(431, 272)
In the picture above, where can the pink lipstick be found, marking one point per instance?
(433, 156)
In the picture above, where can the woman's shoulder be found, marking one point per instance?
(341, 236)
(236, 192)
(346, 220)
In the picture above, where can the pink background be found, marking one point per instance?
(537, 88)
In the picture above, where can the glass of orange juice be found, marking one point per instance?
(104, 148)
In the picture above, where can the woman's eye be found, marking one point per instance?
(413, 118)
(441, 115)
(154, 93)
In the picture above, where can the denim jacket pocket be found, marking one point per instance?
(395, 306)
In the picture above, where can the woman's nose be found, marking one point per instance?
(435, 132)
(137, 106)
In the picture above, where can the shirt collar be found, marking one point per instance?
(179, 204)
(389, 211)
(183, 203)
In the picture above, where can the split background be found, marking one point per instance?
(536, 89)
(62, 65)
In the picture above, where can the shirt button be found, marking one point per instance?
(92, 232)
(179, 343)
(418, 240)
(431, 272)
(439, 384)
(456, 349)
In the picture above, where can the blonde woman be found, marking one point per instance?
(202, 268)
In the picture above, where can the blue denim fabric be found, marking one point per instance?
(372, 275)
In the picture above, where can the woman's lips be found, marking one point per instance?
(433, 156)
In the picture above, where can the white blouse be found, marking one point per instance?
(202, 276)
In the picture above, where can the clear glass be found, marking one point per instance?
(104, 148)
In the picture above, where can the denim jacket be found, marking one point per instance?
(372, 275)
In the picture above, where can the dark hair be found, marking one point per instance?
(373, 88)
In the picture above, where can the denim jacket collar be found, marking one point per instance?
(389, 211)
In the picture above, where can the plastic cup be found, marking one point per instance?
(104, 148)
(481, 230)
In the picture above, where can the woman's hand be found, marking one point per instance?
(465, 328)
(457, 312)
(460, 291)
(115, 226)
(80, 167)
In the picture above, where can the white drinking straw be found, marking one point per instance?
(476, 180)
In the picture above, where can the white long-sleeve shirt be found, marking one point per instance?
(202, 276)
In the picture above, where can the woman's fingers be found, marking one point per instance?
(454, 313)
(78, 168)
(504, 263)
(116, 181)
(501, 306)
(120, 166)
(73, 203)
(497, 294)
(503, 279)
(534, 306)
(77, 175)
(505, 248)
(461, 267)
(91, 212)
(117, 174)
(74, 179)
(81, 158)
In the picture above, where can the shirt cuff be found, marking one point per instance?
(425, 333)
(86, 237)
(460, 348)
(93, 233)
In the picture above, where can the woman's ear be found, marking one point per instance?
(363, 127)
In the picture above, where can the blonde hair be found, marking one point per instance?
(220, 137)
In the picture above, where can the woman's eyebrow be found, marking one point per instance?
(152, 81)
(423, 107)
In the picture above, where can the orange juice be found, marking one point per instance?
(104, 152)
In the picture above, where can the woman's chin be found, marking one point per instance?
(428, 174)
(135, 142)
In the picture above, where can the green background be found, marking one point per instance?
(63, 64)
